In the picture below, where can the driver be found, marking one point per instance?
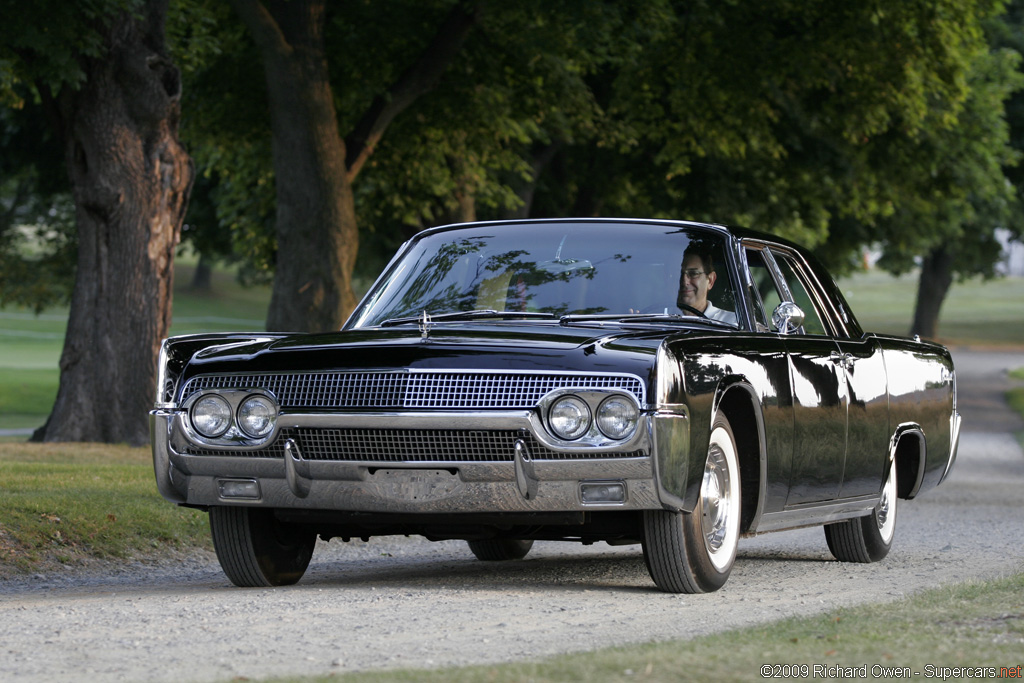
(696, 278)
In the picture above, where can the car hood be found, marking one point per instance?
(503, 345)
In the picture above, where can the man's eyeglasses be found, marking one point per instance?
(692, 273)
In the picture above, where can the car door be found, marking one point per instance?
(819, 386)
(816, 453)
(862, 362)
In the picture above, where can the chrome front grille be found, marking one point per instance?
(414, 390)
(409, 445)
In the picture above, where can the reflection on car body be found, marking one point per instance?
(509, 382)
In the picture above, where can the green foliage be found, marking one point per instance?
(959, 194)
(199, 31)
(833, 125)
(43, 43)
(763, 113)
(37, 236)
(519, 88)
(37, 259)
(42, 48)
(805, 119)
(225, 127)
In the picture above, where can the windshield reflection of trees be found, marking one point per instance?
(425, 291)
(481, 272)
(452, 280)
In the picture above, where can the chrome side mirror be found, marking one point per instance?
(787, 317)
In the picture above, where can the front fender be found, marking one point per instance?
(671, 458)
(159, 432)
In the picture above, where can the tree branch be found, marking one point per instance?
(421, 77)
(262, 26)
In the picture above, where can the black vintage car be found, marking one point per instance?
(666, 383)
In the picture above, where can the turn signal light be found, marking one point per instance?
(248, 489)
(604, 492)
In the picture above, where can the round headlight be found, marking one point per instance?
(569, 418)
(256, 416)
(617, 417)
(211, 416)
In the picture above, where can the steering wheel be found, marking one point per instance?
(653, 308)
(688, 307)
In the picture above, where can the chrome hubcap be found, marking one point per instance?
(885, 513)
(716, 502)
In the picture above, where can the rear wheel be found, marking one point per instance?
(256, 549)
(498, 549)
(693, 552)
(867, 538)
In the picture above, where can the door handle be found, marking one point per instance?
(845, 359)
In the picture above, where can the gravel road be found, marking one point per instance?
(411, 603)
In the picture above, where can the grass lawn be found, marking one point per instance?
(975, 313)
(30, 345)
(27, 395)
(1015, 397)
(70, 504)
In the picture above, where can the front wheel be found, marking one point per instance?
(256, 549)
(693, 552)
(867, 538)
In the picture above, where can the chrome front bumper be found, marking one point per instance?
(524, 484)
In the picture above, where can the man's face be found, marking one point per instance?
(694, 283)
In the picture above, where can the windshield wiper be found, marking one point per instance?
(468, 315)
(671, 318)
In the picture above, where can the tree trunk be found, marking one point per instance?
(317, 235)
(932, 287)
(202, 277)
(525, 189)
(130, 179)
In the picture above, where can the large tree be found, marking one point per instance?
(790, 117)
(101, 73)
(451, 119)
(316, 228)
(964, 200)
(950, 187)
(839, 127)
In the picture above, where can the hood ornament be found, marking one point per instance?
(424, 323)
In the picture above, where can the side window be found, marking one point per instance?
(765, 295)
(812, 318)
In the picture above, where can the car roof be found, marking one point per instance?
(555, 221)
(736, 232)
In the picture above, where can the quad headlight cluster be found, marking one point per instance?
(573, 416)
(233, 415)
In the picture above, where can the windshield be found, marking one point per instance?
(557, 269)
